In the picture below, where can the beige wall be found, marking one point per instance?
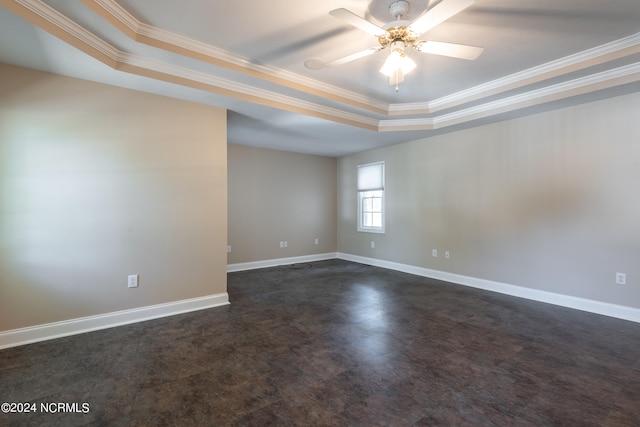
(98, 182)
(548, 202)
(279, 196)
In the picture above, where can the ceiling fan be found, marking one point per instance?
(400, 34)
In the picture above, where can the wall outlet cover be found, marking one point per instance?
(132, 281)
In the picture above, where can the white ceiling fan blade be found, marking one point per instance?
(358, 22)
(438, 14)
(450, 49)
(317, 64)
(352, 57)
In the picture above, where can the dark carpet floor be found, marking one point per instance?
(339, 344)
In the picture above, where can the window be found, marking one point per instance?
(371, 197)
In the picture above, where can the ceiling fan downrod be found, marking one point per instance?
(398, 9)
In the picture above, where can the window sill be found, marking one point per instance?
(370, 230)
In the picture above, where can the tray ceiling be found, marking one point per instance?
(249, 57)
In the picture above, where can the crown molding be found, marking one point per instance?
(598, 55)
(47, 18)
(44, 16)
(140, 65)
(579, 86)
(141, 32)
(120, 14)
(157, 37)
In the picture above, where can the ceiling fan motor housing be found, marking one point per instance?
(398, 30)
(399, 33)
(399, 8)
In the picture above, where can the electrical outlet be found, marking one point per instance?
(434, 253)
(447, 255)
(132, 281)
(316, 241)
(373, 244)
(285, 243)
(281, 245)
(621, 279)
(229, 249)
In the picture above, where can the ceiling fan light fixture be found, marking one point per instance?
(397, 61)
(407, 64)
(392, 63)
(401, 33)
(398, 64)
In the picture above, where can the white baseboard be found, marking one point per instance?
(242, 266)
(64, 328)
(592, 306)
(49, 331)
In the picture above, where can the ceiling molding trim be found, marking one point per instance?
(396, 125)
(601, 54)
(580, 86)
(57, 24)
(410, 108)
(177, 75)
(598, 55)
(41, 15)
(583, 85)
(144, 33)
(198, 50)
(269, 98)
(122, 19)
(277, 75)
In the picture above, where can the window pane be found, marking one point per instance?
(376, 220)
(367, 220)
(370, 211)
(377, 205)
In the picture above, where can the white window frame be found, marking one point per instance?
(371, 188)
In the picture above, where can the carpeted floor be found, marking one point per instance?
(339, 344)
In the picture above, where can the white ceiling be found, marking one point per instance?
(249, 57)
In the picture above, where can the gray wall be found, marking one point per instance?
(279, 196)
(99, 182)
(548, 202)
